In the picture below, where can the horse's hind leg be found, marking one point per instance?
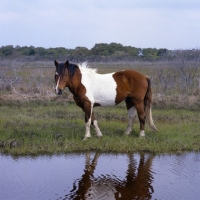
(131, 115)
(141, 115)
(96, 127)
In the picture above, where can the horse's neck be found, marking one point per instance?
(73, 88)
(75, 83)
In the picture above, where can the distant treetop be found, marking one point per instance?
(100, 52)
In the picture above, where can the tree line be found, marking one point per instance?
(102, 52)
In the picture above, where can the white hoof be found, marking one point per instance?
(85, 138)
(127, 132)
(142, 134)
(99, 136)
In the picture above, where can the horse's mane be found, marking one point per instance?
(72, 68)
(85, 67)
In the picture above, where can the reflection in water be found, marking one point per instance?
(136, 184)
(100, 176)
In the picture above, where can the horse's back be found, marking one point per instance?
(130, 75)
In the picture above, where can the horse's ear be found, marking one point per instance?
(56, 63)
(67, 63)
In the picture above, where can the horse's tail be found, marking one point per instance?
(148, 106)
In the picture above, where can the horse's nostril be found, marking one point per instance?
(60, 92)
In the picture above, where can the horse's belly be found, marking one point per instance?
(105, 97)
(105, 102)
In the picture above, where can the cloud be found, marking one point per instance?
(140, 23)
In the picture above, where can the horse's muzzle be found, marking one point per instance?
(59, 92)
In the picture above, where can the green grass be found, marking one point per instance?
(52, 127)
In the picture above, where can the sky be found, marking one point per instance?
(171, 24)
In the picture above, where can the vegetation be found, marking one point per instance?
(100, 52)
(52, 127)
(34, 120)
(176, 74)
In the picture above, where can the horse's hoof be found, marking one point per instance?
(85, 138)
(99, 136)
(127, 132)
(142, 136)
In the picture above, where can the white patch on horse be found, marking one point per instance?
(87, 128)
(100, 88)
(84, 66)
(87, 125)
(96, 127)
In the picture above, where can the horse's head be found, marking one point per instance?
(61, 76)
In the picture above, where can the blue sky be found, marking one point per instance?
(171, 24)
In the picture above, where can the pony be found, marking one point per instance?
(91, 89)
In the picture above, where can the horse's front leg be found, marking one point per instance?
(96, 127)
(88, 118)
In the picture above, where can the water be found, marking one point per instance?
(100, 176)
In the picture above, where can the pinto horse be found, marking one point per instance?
(91, 89)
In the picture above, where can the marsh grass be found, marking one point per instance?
(33, 128)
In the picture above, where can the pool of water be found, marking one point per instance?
(94, 175)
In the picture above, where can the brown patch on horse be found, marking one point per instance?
(130, 84)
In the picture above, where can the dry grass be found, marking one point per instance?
(35, 81)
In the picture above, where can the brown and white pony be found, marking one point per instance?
(91, 89)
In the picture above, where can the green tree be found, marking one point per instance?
(81, 51)
(101, 49)
(151, 53)
(40, 51)
(132, 51)
(7, 50)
